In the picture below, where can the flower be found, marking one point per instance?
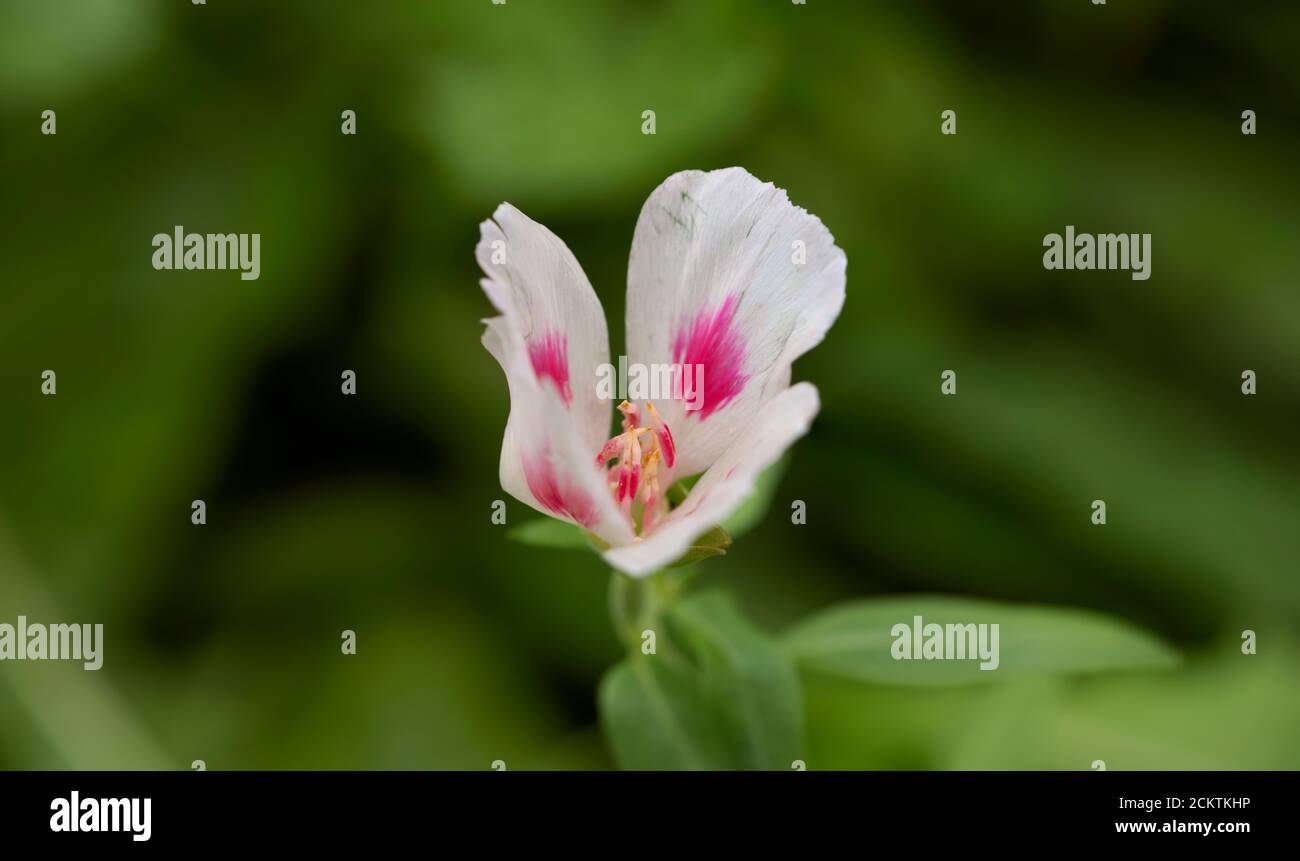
(725, 273)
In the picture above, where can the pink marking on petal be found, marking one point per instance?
(557, 495)
(713, 341)
(549, 355)
(635, 469)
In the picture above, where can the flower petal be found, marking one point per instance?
(726, 484)
(537, 283)
(549, 340)
(728, 275)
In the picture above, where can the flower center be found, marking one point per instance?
(639, 450)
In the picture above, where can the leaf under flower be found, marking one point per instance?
(549, 532)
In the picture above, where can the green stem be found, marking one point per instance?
(619, 616)
(636, 604)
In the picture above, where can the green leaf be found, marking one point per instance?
(749, 682)
(656, 716)
(712, 543)
(718, 694)
(549, 532)
(857, 640)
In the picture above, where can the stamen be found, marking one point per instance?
(648, 513)
(635, 471)
(611, 450)
(631, 418)
(639, 451)
(665, 435)
(621, 494)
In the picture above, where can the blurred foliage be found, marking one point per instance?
(372, 512)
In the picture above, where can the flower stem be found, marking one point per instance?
(619, 615)
(635, 604)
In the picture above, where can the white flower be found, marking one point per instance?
(725, 273)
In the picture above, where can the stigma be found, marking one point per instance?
(640, 451)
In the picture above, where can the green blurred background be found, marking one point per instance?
(372, 512)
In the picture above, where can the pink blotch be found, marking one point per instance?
(558, 496)
(712, 340)
(549, 355)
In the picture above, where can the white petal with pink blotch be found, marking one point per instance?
(715, 279)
